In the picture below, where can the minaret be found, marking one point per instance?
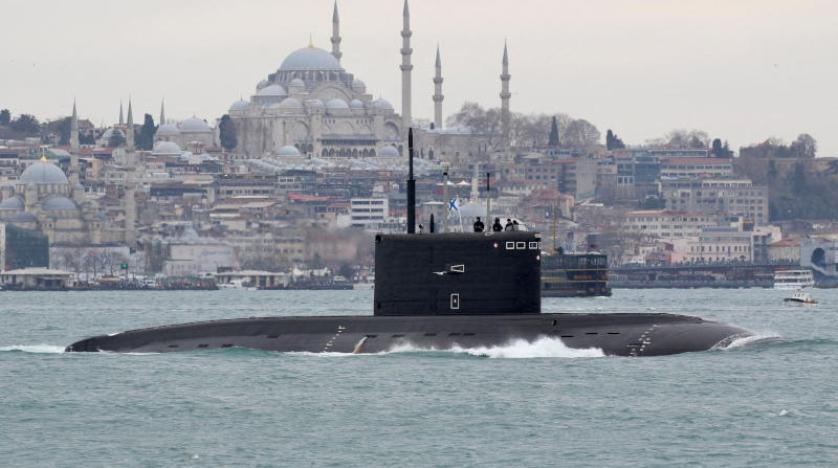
(336, 33)
(121, 118)
(162, 113)
(504, 98)
(129, 132)
(438, 97)
(406, 68)
(74, 130)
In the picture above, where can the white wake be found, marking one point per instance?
(515, 349)
(37, 349)
(743, 341)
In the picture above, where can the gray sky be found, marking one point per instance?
(743, 70)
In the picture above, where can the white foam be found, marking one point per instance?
(743, 341)
(38, 349)
(516, 349)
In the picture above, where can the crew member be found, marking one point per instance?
(478, 225)
(508, 226)
(497, 227)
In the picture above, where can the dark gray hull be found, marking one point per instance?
(614, 334)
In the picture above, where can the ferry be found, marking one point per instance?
(793, 279)
(574, 275)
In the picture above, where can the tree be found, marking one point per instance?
(553, 141)
(27, 124)
(804, 147)
(716, 148)
(526, 130)
(720, 150)
(693, 139)
(227, 133)
(145, 138)
(87, 139)
(612, 141)
(5, 117)
(64, 131)
(581, 134)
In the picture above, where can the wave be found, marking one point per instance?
(37, 349)
(515, 349)
(744, 341)
(773, 341)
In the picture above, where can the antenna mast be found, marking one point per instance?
(411, 186)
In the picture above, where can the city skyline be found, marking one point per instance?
(641, 71)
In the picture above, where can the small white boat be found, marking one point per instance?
(793, 279)
(801, 297)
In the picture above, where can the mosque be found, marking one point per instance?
(311, 105)
(43, 198)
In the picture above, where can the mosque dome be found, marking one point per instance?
(19, 217)
(194, 125)
(389, 152)
(314, 103)
(262, 84)
(166, 148)
(43, 172)
(310, 58)
(336, 104)
(58, 203)
(240, 105)
(272, 90)
(13, 203)
(109, 133)
(356, 104)
(167, 130)
(289, 150)
(290, 104)
(382, 104)
(359, 86)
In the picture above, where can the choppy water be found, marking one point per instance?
(763, 404)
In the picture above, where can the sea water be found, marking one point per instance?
(771, 402)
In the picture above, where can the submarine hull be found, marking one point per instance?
(614, 334)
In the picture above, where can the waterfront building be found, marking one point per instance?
(717, 195)
(696, 167)
(36, 278)
(368, 212)
(714, 245)
(668, 224)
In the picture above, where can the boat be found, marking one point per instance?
(801, 297)
(793, 279)
(439, 291)
(574, 275)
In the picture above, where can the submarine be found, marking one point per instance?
(439, 291)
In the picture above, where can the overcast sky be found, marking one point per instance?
(742, 70)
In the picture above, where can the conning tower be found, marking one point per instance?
(455, 273)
